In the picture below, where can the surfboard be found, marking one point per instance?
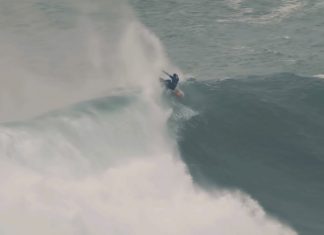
(178, 93)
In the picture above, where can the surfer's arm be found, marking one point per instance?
(167, 73)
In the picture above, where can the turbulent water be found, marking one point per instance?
(90, 143)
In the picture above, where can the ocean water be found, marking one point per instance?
(91, 144)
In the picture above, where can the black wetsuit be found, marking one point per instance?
(172, 84)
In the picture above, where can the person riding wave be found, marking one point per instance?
(172, 83)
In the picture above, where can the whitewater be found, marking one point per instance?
(90, 143)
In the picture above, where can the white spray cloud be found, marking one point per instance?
(56, 54)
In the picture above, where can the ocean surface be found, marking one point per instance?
(91, 144)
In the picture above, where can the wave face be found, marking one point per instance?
(263, 135)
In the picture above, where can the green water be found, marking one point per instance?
(219, 39)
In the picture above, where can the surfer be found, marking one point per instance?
(172, 83)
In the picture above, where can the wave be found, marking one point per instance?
(105, 166)
(85, 142)
(263, 135)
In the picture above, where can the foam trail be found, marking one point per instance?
(281, 10)
(104, 166)
(143, 197)
(319, 76)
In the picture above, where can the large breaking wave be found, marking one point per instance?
(264, 135)
(84, 141)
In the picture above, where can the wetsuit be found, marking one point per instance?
(172, 84)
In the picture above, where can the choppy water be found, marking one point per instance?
(90, 144)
